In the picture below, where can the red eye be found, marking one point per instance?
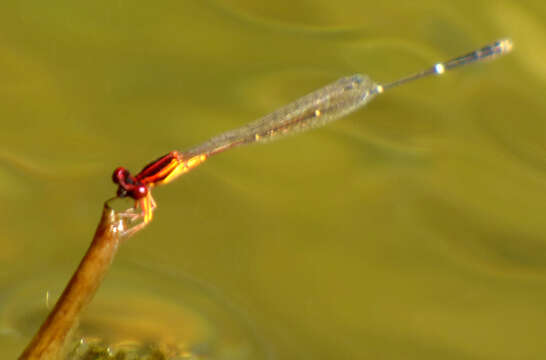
(138, 192)
(119, 175)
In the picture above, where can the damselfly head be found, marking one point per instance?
(128, 185)
(119, 175)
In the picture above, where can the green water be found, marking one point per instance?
(413, 229)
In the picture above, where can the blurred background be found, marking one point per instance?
(412, 229)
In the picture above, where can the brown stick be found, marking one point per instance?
(49, 342)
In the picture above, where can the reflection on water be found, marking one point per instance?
(140, 312)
